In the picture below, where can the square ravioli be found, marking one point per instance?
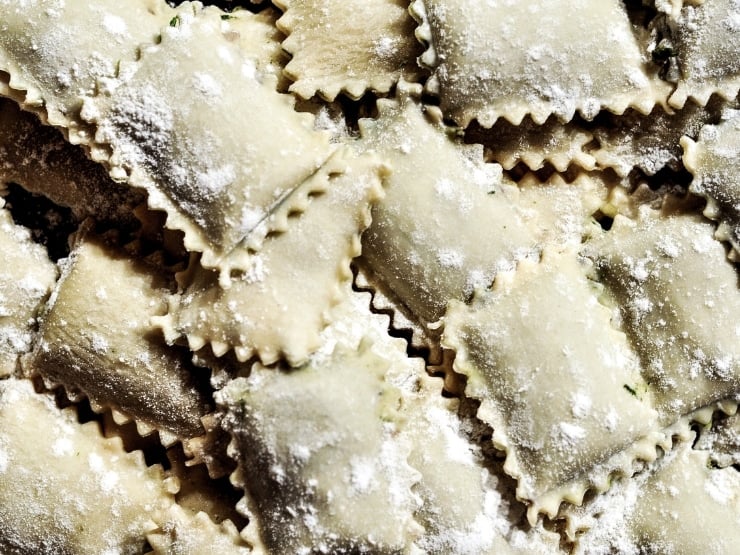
(384, 277)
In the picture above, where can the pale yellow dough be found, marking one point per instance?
(348, 46)
(96, 338)
(56, 50)
(27, 277)
(679, 300)
(582, 355)
(502, 58)
(679, 505)
(66, 489)
(317, 448)
(557, 404)
(649, 143)
(447, 224)
(461, 500)
(280, 305)
(706, 42)
(714, 162)
(217, 167)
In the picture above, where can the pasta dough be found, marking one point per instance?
(69, 491)
(212, 165)
(371, 46)
(272, 311)
(95, 337)
(26, 279)
(713, 160)
(527, 59)
(679, 303)
(527, 324)
(424, 262)
(316, 476)
(557, 405)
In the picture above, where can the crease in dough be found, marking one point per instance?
(215, 165)
(348, 46)
(278, 308)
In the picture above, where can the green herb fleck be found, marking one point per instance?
(175, 21)
(226, 17)
(631, 390)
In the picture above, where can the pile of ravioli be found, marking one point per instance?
(331, 276)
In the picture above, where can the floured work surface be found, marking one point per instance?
(390, 277)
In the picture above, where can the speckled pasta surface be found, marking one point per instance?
(678, 301)
(205, 158)
(26, 280)
(381, 277)
(95, 338)
(713, 161)
(252, 315)
(509, 59)
(333, 475)
(706, 43)
(55, 51)
(70, 491)
(557, 405)
(371, 45)
(424, 262)
(704, 498)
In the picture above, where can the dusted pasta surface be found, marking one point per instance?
(380, 276)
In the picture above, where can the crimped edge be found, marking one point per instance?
(712, 210)
(195, 447)
(678, 432)
(657, 93)
(534, 158)
(170, 485)
(207, 530)
(336, 165)
(194, 239)
(30, 99)
(121, 417)
(700, 93)
(353, 87)
(384, 301)
(597, 479)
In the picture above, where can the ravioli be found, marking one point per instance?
(368, 277)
